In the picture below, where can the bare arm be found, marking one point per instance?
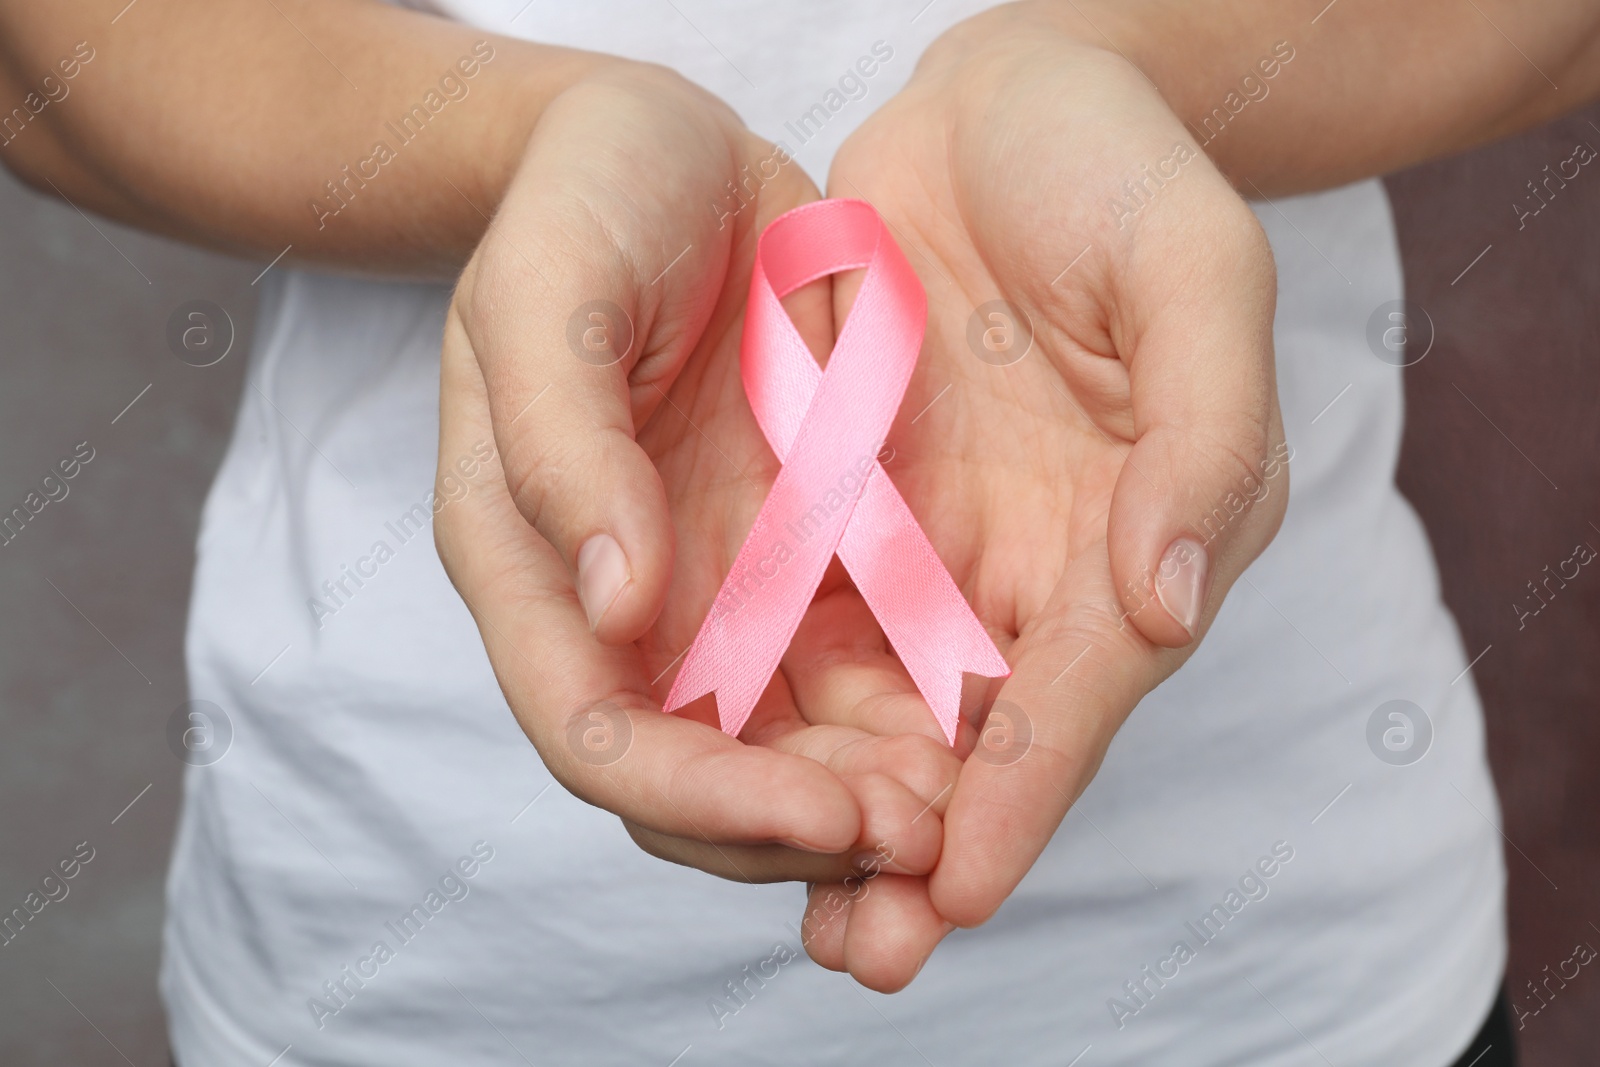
(1289, 98)
(225, 121)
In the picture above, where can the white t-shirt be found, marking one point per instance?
(380, 870)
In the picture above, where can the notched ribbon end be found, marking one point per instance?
(734, 703)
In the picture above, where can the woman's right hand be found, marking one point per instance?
(594, 340)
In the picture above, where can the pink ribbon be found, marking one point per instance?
(827, 427)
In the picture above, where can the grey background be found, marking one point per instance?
(82, 729)
(87, 686)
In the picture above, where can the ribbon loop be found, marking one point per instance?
(831, 496)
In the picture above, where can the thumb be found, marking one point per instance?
(556, 349)
(1204, 488)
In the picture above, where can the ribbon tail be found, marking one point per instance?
(825, 426)
(708, 668)
(764, 596)
(929, 623)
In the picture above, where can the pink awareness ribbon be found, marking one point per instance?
(831, 495)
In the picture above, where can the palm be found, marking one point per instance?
(1007, 450)
(998, 442)
(717, 467)
(713, 461)
(664, 423)
(1054, 474)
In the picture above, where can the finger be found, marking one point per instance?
(893, 928)
(757, 864)
(827, 915)
(902, 785)
(926, 767)
(842, 672)
(585, 280)
(587, 707)
(562, 413)
(896, 824)
(1204, 487)
(899, 834)
(1077, 676)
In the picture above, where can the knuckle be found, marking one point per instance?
(551, 476)
(920, 763)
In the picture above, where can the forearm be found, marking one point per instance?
(364, 135)
(1371, 85)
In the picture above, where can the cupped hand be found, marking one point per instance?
(591, 353)
(1091, 441)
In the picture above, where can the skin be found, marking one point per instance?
(683, 467)
(1147, 398)
(1154, 396)
(219, 122)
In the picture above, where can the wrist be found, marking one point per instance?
(978, 59)
(536, 77)
(1014, 31)
(1179, 58)
(1002, 56)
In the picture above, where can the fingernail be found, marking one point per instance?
(602, 573)
(1181, 581)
